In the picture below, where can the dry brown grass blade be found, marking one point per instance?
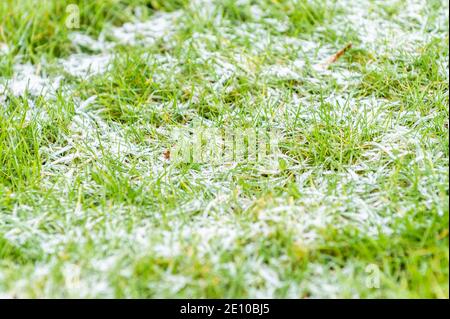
(335, 56)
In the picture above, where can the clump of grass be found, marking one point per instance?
(330, 140)
(36, 31)
(404, 74)
(10, 252)
(19, 146)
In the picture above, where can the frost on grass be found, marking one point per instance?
(160, 26)
(223, 218)
(84, 41)
(4, 49)
(85, 66)
(29, 79)
(409, 26)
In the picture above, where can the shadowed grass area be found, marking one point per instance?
(41, 30)
(10, 252)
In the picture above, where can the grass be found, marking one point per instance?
(40, 31)
(355, 192)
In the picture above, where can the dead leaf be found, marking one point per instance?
(167, 154)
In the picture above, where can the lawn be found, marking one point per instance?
(193, 149)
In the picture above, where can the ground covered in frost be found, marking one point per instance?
(353, 203)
